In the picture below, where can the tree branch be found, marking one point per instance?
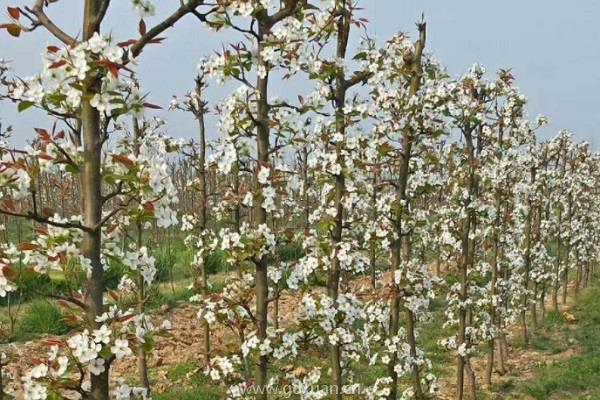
(42, 220)
(184, 9)
(41, 19)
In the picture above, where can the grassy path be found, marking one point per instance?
(577, 377)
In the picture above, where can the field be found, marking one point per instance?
(560, 362)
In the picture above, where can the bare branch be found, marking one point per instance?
(41, 19)
(184, 9)
(43, 220)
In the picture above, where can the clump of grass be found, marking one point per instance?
(552, 319)
(543, 342)
(197, 386)
(165, 264)
(578, 376)
(215, 262)
(40, 317)
(167, 297)
(216, 284)
(289, 251)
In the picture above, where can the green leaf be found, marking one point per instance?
(56, 276)
(24, 105)
(72, 168)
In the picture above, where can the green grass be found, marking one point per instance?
(289, 251)
(40, 317)
(552, 336)
(579, 376)
(552, 319)
(196, 387)
(167, 297)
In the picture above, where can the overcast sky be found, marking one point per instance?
(550, 45)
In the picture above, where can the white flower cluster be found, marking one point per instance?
(125, 392)
(55, 248)
(58, 86)
(7, 258)
(139, 261)
(15, 181)
(221, 367)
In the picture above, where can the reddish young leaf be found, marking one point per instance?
(111, 67)
(53, 49)
(153, 106)
(54, 258)
(45, 156)
(63, 303)
(9, 204)
(41, 230)
(111, 228)
(13, 12)
(42, 133)
(13, 30)
(57, 64)
(125, 317)
(123, 160)
(27, 246)
(9, 272)
(265, 164)
(126, 43)
(142, 27)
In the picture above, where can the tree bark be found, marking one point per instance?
(203, 215)
(91, 188)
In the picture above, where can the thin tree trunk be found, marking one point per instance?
(141, 353)
(524, 333)
(567, 251)
(91, 191)
(578, 272)
(333, 278)
(557, 264)
(203, 217)
(260, 214)
(534, 316)
(463, 271)
(401, 248)
(373, 240)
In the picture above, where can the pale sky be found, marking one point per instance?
(550, 45)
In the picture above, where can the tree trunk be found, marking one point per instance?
(401, 248)
(260, 214)
(333, 278)
(524, 333)
(203, 217)
(567, 251)
(466, 259)
(141, 353)
(91, 187)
